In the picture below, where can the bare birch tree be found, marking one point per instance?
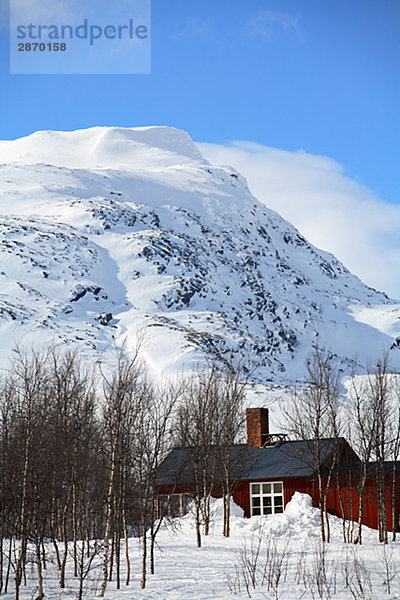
(230, 397)
(197, 429)
(363, 426)
(123, 393)
(314, 415)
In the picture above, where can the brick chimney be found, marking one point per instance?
(257, 426)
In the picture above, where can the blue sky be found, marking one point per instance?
(321, 75)
(317, 75)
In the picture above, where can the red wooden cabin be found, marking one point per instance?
(269, 469)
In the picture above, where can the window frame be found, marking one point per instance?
(261, 495)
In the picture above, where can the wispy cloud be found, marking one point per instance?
(333, 211)
(196, 28)
(268, 23)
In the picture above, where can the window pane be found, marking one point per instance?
(266, 498)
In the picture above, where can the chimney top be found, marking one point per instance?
(257, 426)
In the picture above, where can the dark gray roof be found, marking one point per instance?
(287, 459)
(388, 467)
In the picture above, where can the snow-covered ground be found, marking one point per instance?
(109, 232)
(184, 571)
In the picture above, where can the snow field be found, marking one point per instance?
(184, 571)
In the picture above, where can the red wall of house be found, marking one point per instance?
(296, 484)
(346, 501)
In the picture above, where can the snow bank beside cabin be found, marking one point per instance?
(300, 521)
(298, 517)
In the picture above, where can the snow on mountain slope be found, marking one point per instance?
(109, 231)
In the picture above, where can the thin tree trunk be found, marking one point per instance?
(128, 563)
(64, 563)
(65, 541)
(118, 560)
(43, 551)
(321, 508)
(341, 504)
(9, 565)
(206, 511)
(74, 528)
(19, 567)
(110, 571)
(81, 567)
(326, 516)
(1, 559)
(109, 515)
(361, 492)
(394, 502)
(105, 562)
(57, 553)
(383, 536)
(144, 554)
(227, 514)
(152, 544)
(40, 595)
(198, 531)
(24, 561)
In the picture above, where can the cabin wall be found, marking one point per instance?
(241, 495)
(343, 500)
(342, 497)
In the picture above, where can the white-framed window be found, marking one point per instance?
(266, 498)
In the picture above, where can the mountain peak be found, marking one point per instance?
(104, 147)
(120, 230)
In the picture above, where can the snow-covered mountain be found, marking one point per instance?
(108, 233)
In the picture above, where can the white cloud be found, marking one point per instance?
(195, 28)
(334, 212)
(267, 22)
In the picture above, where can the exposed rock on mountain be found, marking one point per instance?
(107, 231)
